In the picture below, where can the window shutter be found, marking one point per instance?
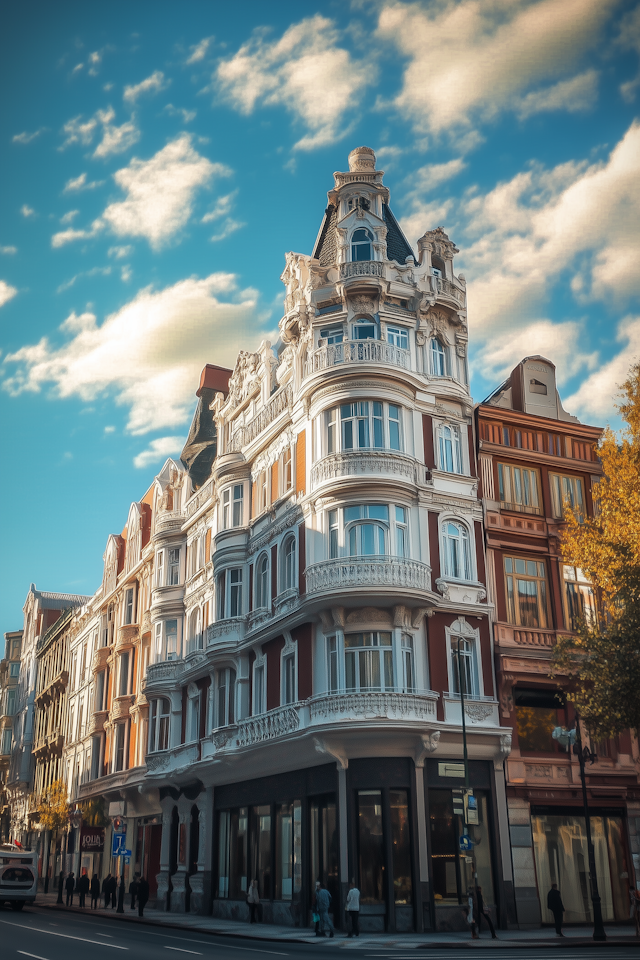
(300, 462)
(254, 499)
(275, 492)
(427, 437)
(207, 546)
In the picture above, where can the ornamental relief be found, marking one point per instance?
(289, 520)
(319, 395)
(273, 452)
(370, 615)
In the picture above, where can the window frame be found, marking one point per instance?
(289, 564)
(395, 333)
(466, 554)
(356, 245)
(509, 481)
(460, 628)
(444, 356)
(514, 615)
(557, 494)
(455, 441)
(370, 419)
(583, 586)
(232, 507)
(157, 730)
(229, 685)
(259, 687)
(289, 660)
(262, 582)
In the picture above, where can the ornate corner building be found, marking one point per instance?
(267, 684)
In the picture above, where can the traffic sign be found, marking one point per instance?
(127, 856)
(465, 842)
(118, 845)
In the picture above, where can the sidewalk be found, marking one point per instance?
(574, 936)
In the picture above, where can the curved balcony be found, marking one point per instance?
(268, 726)
(368, 463)
(361, 268)
(446, 290)
(100, 659)
(127, 636)
(373, 705)
(384, 572)
(121, 707)
(230, 630)
(358, 352)
(163, 673)
(167, 524)
(97, 721)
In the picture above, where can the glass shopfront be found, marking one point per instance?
(323, 824)
(453, 869)
(561, 856)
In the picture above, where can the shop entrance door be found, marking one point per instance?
(323, 831)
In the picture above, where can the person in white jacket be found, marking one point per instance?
(353, 909)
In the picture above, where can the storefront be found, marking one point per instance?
(561, 856)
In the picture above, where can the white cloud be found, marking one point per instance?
(109, 429)
(594, 398)
(25, 137)
(114, 139)
(158, 449)
(27, 211)
(186, 115)
(467, 61)
(222, 207)
(153, 84)
(68, 217)
(8, 251)
(63, 237)
(126, 273)
(74, 185)
(160, 192)
(148, 354)
(629, 39)
(199, 50)
(94, 272)
(574, 95)
(433, 174)
(305, 71)
(228, 227)
(78, 67)
(119, 253)
(7, 292)
(95, 59)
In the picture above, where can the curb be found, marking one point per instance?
(569, 942)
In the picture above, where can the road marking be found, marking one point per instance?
(228, 946)
(101, 934)
(67, 936)
(182, 950)
(34, 955)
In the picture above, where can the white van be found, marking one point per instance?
(18, 875)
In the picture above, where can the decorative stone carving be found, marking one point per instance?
(373, 705)
(369, 615)
(360, 571)
(477, 712)
(505, 744)
(268, 726)
(362, 304)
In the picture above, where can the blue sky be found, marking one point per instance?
(160, 158)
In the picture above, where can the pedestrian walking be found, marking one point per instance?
(555, 904)
(83, 889)
(253, 900)
(143, 895)
(133, 890)
(95, 891)
(113, 887)
(470, 911)
(106, 890)
(70, 885)
(323, 900)
(314, 909)
(353, 909)
(484, 914)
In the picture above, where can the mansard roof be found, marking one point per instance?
(326, 248)
(58, 601)
(398, 248)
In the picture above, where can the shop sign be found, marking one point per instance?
(465, 843)
(92, 839)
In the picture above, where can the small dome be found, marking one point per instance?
(362, 158)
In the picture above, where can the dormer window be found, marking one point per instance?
(361, 244)
(437, 267)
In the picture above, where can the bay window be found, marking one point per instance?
(368, 661)
(232, 503)
(526, 592)
(333, 335)
(456, 553)
(166, 636)
(173, 571)
(229, 593)
(578, 596)
(159, 718)
(226, 696)
(369, 530)
(449, 452)
(518, 488)
(364, 425)
(568, 489)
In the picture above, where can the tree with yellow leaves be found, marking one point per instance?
(603, 660)
(53, 808)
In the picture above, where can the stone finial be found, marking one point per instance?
(362, 158)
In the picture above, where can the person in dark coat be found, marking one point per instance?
(95, 891)
(113, 891)
(70, 885)
(483, 914)
(555, 904)
(143, 895)
(106, 890)
(83, 889)
(133, 890)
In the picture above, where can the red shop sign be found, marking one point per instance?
(92, 839)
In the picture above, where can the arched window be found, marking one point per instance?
(361, 241)
(262, 581)
(438, 358)
(449, 449)
(464, 670)
(289, 564)
(193, 725)
(365, 537)
(437, 267)
(159, 714)
(456, 553)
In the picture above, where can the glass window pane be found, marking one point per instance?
(401, 846)
(371, 846)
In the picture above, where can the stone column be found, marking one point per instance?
(505, 845)
(179, 878)
(162, 878)
(201, 881)
(524, 871)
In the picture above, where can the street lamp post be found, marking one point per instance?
(567, 739)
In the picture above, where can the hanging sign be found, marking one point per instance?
(91, 839)
(465, 842)
(119, 844)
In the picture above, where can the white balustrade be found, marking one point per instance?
(357, 463)
(373, 704)
(358, 351)
(367, 572)
(268, 726)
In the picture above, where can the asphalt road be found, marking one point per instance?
(37, 934)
